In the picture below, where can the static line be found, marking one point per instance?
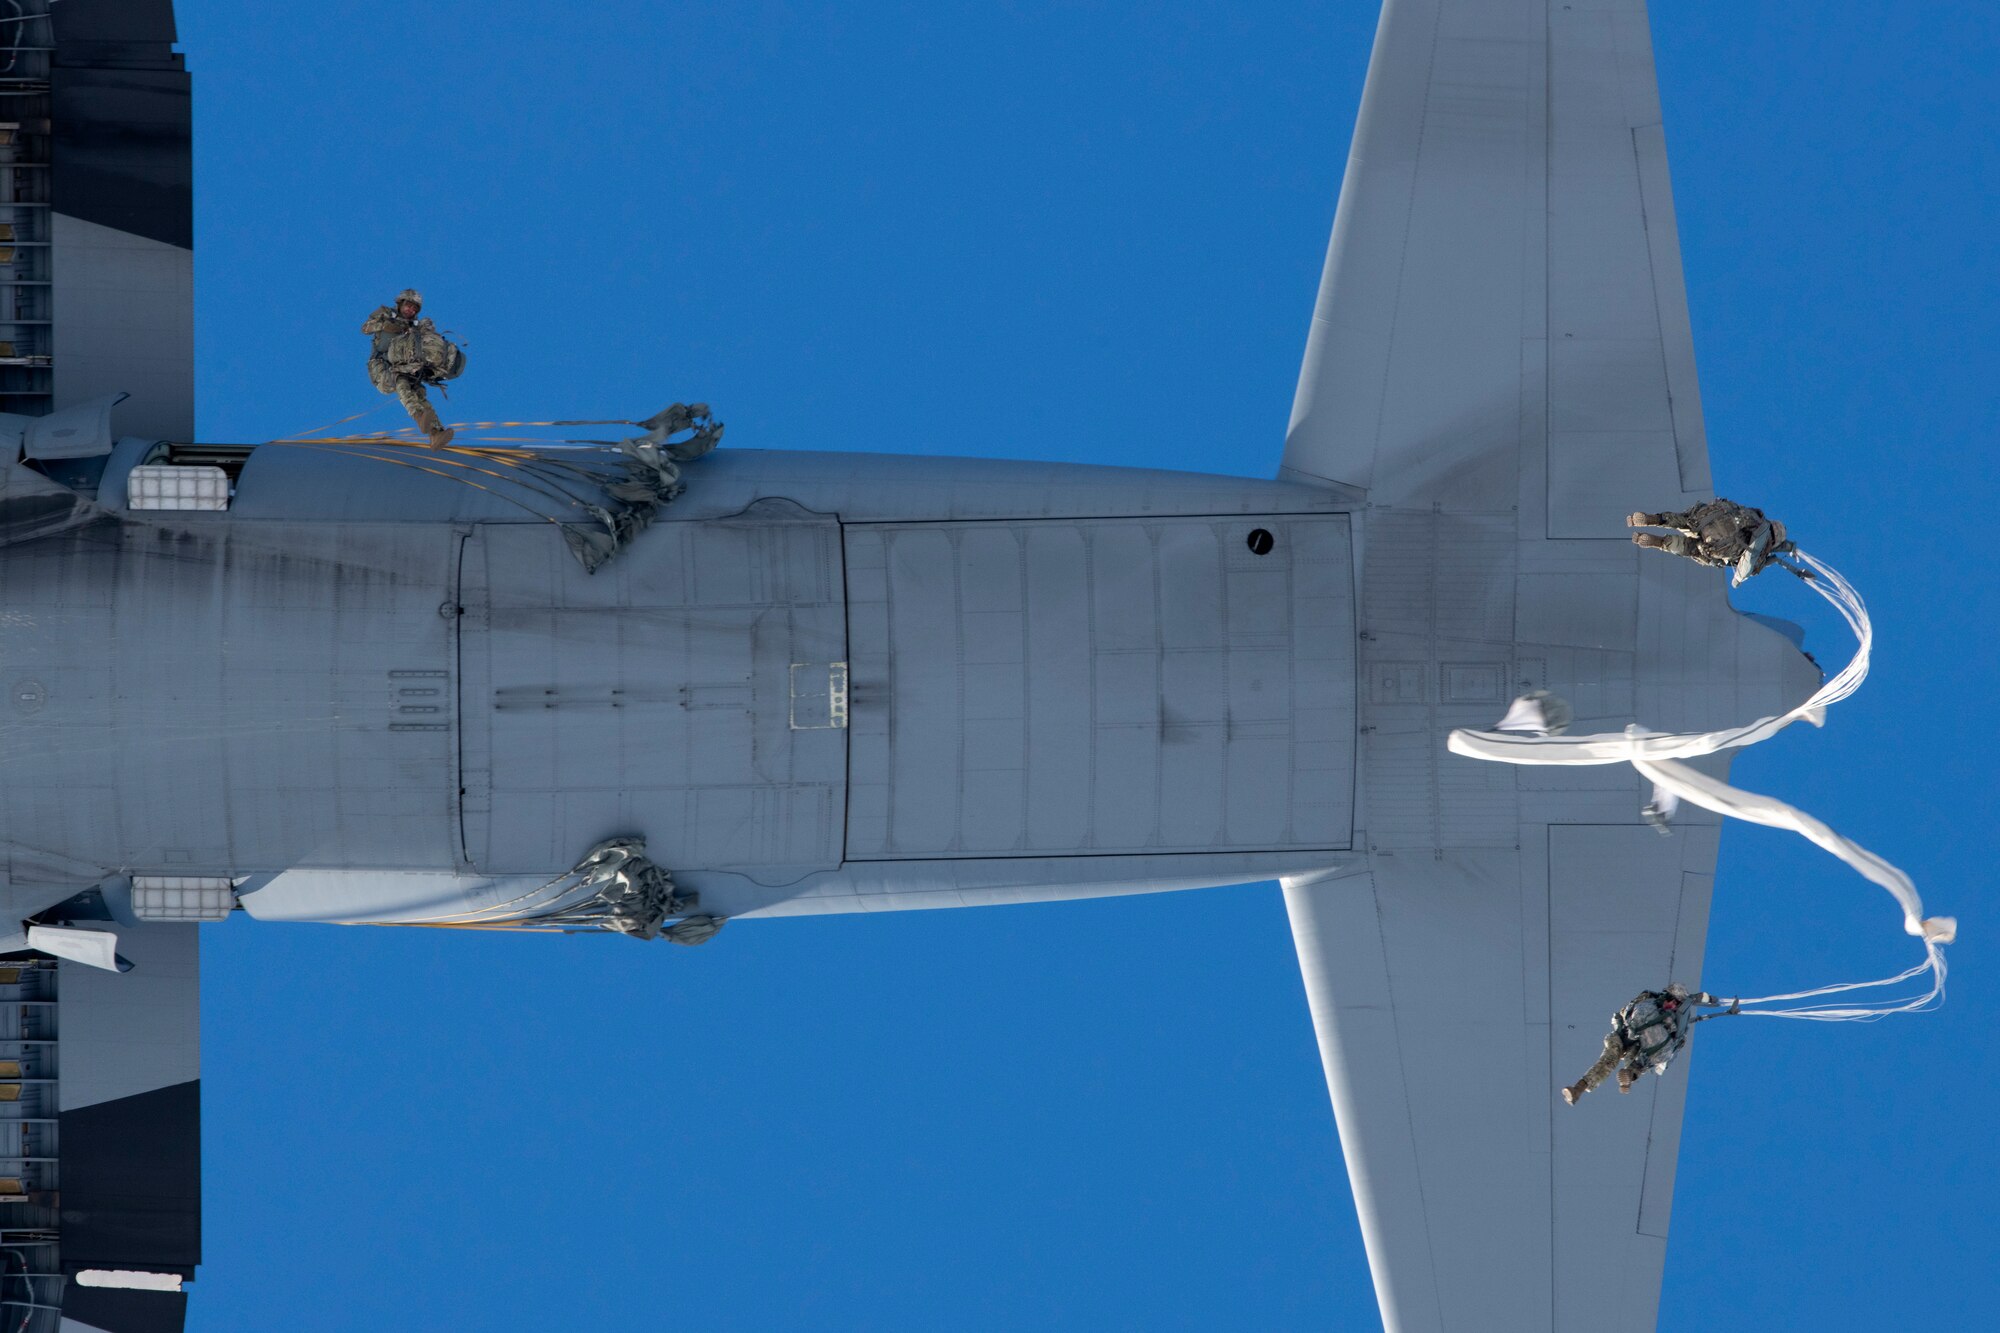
(1656, 756)
(1619, 747)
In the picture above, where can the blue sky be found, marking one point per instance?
(1087, 232)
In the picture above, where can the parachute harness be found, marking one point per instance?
(1657, 757)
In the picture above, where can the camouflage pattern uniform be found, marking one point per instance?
(1645, 1035)
(1718, 533)
(395, 365)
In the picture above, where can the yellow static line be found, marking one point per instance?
(487, 425)
(409, 431)
(402, 462)
(419, 442)
(406, 442)
(513, 458)
(462, 925)
(342, 422)
(434, 455)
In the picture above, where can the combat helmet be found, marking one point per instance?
(411, 295)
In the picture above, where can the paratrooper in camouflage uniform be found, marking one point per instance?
(1719, 533)
(1645, 1036)
(407, 354)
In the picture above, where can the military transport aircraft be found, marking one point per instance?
(634, 690)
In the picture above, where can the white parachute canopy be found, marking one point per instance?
(1656, 756)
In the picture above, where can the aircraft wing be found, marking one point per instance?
(1500, 357)
(102, 280)
(99, 1093)
(130, 1145)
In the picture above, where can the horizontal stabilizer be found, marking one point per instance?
(1503, 285)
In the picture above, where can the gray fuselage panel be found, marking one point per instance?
(653, 698)
(230, 698)
(1101, 686)
(1063, 681)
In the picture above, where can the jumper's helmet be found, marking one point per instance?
(409, 296)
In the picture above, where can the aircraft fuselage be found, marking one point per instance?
(823, 682)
